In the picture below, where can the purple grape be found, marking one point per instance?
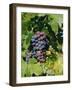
(43, 42)
(42, 37)
(36, 41)
(33, 43)
(38, 53)
(36, 44)
(38, 32)
(33, 40)
(42, 47)
(42, 33)
(33, 53)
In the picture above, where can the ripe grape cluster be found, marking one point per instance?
(39, 44)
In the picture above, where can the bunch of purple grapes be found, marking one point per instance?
(39, 44)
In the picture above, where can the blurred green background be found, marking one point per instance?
(52, 25)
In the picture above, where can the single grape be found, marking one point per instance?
(38, 32)
(42, 57)
(43, 42)
(42, 38)
(38, 53)
(42, 33)
(33, 43)
(36, 44)
(36, 41)
(42, 47)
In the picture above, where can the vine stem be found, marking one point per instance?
(42, 66)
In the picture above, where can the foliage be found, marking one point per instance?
(51, 25)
